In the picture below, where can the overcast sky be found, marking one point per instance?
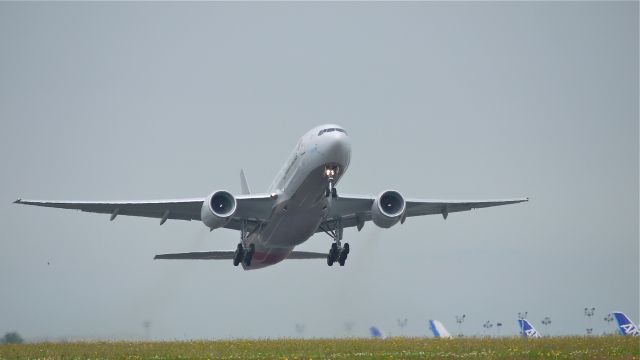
(122, 101)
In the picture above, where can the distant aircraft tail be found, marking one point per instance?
(625, 326)
(527, 330)
(376, 333)
(244, 186)
(439, 330)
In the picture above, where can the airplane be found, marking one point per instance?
(377, 333)
(302, 201)
(439, 330)
(625, 326)
(527, 330)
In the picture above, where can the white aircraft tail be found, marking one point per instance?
(438, 330)
(625, 325)
(527, 330)
(244, 186)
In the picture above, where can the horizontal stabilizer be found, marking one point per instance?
(208, 255)
(228, 255)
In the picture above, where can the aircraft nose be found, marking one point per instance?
(339, 147)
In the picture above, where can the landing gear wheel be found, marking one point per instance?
(343, 254)
(239, 255)
(334, 193)
(333, 254)
(330, 259)
(249, 255)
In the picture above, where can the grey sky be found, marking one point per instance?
(441, 100)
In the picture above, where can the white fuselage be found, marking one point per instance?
(300, 186)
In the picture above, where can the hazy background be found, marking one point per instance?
(441, 100)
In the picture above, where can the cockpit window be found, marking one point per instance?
(330, 130)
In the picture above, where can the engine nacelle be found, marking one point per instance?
(387, 209)
(217, 209)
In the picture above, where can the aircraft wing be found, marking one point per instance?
(228, 255)
(254, 207)
(355, 210)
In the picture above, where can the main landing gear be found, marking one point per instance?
(337, 252)
(243, 254)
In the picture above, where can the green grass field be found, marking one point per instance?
(612, 347)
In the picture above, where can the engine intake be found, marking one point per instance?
(218, 209)
(387, 209)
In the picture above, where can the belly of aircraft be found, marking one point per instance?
(293, 224)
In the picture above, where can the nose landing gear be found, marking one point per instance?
(330, 173)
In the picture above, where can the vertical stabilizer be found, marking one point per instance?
(376, 333)
(438, 330)
(244, 186)
(625, 325)
(527, 330)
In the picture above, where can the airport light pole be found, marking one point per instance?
(487, 326)
(348, 326)
(522, 316)
(609, 319)
(300, 329)
(460, 320)
(588, 312)
(146, 325)
(546, 321)
(402, 323)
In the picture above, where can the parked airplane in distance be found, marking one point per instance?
(527, 330)
(302, 201)
(439, 330)
(625, 325)
(377, 333)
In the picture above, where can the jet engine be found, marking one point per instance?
(387, 209)
(217, 209)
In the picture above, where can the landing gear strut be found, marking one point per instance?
(337, 252)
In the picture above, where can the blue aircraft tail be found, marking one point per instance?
(439, 330)
(527, 330)
(376, 333)
(625, 326)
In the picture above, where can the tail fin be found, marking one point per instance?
(625, 326)
(527, 330)
(376, 333)
(244, 186)
(439, 330)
